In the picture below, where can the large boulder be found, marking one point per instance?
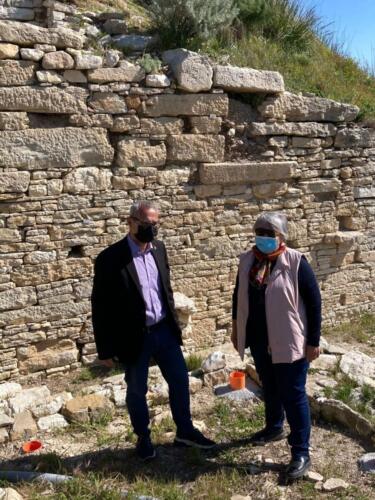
(359, 367)
(91, 407)
(215, 361)
(192, 71)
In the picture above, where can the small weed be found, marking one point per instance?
(193, 362)
(150, 64)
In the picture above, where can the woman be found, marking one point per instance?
(277, 313)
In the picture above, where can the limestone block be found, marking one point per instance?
(157, 81)
(206, 191)
(9, 389)
(342, 237)
(24, 426)
(359, 367)
(27, 35)
(173, 177)
(5, 420)
(51, 405)
(289, 128)
(49, 76)
(56, 312)
(14, 73)
(326, 362)
(57, 60)
(125, 123)
(9, 51)
(111, 58)
(86, 60)
(27, 398)
(14, 182)
(51, 422)
(9, 235)
(127, 183)
(215, 378)
(58, 148)
(107, 102)
(17, 13)
(215, 361)
(39, 357)
(17, 298)
(195, 385)
(364, 192)
(355, 138)
(205, 124)
(86, 408)
(195, 147)
(269, 190)
(304, 142)
(245, 173)
(125, 73)
(335, 484)
(186, 104)
(43, 100)
(237, 79)
(136, 153)
(32, 54)
(60, 7)
(292, 107)
(87, 179)
(192, 71)
(115, 26)
(74, 76)
(161, 126)
(135, 43)
(321, 186)
(89, 121)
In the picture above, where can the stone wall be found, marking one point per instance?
(84, 135)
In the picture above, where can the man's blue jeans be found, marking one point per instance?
(161, 345)
(285, 394)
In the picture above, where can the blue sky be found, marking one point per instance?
(353, 22)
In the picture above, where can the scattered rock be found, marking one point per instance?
(5, 420)
(327, 362)
(334, 484)
(86, 408)
(10, 494)
(367, 463)
(28, 398)
(359, 367)
(24, 426)
(192, 71)
(315, 477)
(51, 422)
(214, 361)
(195, 384)
(216, 377)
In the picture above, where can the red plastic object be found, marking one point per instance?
(237, 380)
(31, 446)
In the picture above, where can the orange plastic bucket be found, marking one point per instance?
(237, 380)
(31, 446)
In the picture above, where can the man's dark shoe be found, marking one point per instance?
(145, 449)
(194, 438)
(297, 467)
(265, 436)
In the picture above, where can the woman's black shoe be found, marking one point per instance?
(297, 467)
(265, 436)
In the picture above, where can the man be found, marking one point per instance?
(134, 320)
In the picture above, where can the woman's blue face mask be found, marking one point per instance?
(266, 244)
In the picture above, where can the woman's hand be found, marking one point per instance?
(233, 337)
(312, 353)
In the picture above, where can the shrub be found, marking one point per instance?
(150, 64)
(284, 21)
(187, 23)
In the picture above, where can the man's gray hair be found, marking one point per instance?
(139, 207)
(275, 221)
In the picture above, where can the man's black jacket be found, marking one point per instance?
(118, 308)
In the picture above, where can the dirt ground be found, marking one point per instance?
(101, 458)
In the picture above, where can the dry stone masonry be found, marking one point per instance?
(84, 133)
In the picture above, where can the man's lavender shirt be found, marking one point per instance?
(149, 279)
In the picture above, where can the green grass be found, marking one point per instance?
(360, 330)
(193, 362)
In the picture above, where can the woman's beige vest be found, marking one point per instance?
(285, 311)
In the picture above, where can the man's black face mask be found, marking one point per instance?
(146, 233)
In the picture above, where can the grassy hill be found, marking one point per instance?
(276, 35)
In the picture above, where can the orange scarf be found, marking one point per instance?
(261, 268)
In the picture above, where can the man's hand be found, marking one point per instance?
(233, 337)
(108, 363)
(312, 353)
